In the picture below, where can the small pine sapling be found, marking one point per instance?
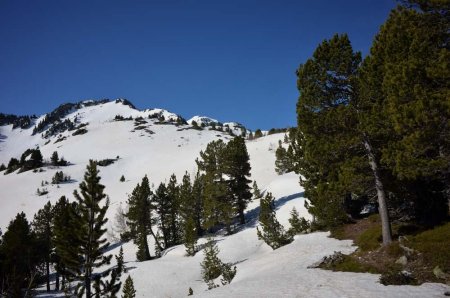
(128, 289)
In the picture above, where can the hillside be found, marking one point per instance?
(159, 144)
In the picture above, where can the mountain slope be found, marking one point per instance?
(157, 146)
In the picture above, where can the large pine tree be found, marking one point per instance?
(218, 205)
(325, 125)
(236, 166)
(92, 205)
(404, 95)
(139, 217)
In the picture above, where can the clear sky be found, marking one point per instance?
(233, 60)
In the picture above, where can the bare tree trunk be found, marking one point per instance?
(47, 265)
(382, 206)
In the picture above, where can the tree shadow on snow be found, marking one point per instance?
(251, 216)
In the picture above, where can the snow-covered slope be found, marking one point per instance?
(151, 146)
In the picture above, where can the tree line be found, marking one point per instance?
(176, 213)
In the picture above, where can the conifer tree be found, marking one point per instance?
(282, 161)
(218, 207)
(66, 242)
(43, 229)
(92, 206)
(173, 193)
(128, 288)
(237, 167)
(211, 265)
(256, 192)
(258, 133)
(404, 99)
(298, 224)
(139, 218)
(20, 258)
(162, 206)
(198, 195)
(187, 212)
(54, 158)
(119, 260)
(272, 232)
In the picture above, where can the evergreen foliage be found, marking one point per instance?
(258, 133)
(218, 208)
(122, 178)
(54, 158)
(60, 177)
(139, 218)
(187, 211)
(89, 220)
(128, 288)
(173, 216)
(284, 161)
(162, 207)
(67, 263)
(272, 232)
(325, 123)
(20, 258)
(298, 224)
(43, 229)
(256, 192)
(213, 267)
(236, 166)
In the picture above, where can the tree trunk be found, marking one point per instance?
(241, 216)
(156, 240)
(57, 281)
(382, 206)
(47, 265)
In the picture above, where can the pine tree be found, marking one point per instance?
(218, 207)
(162, 206)
(404, 99)
(120, 268)
(173, 190)
(331, 149)
(272, 232)
(198, 195)
(256, 192)
(66, 242)
(211, 265)
(298, 224)
(236, 165)
(128, 288)
(35, 160)
(282, 161)
(91, 219)
(20, 258)
(54, 158)
(139, 218)
(43, 229)
(187, 212)
(258, 133)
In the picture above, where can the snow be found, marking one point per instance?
(261, 272)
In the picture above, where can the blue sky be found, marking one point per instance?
(232, 60)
